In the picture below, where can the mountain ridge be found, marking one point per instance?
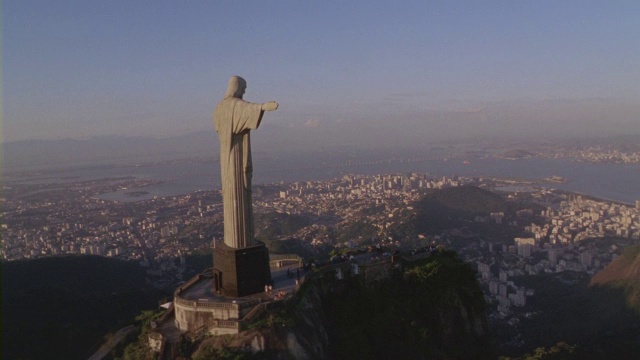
(623, 272)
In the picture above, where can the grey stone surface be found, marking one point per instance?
(233, 119)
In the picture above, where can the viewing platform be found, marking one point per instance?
(197, 307)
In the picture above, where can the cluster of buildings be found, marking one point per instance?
(73, 219)
(598, 154)
(580, 219)
(575, 234)
(569, 232)
(378, 201)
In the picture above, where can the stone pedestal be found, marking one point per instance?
(240, 272)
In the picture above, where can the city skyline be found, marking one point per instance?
(78, 70)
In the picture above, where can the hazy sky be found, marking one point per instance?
(86, 68)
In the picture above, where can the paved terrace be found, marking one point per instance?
(203, 289)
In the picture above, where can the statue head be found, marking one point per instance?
(237, 86)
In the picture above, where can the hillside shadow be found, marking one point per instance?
(67, 304)
(564, 308)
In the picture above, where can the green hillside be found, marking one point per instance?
(451, 207)
(274, 225)
(435, 310)
(466, 200)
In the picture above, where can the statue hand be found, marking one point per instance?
(270, 106)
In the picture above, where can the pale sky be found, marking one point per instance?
(76, 69)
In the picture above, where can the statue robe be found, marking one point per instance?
(233, 119)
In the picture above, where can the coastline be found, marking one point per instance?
(610, 182)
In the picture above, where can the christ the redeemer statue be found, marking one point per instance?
(233, 119)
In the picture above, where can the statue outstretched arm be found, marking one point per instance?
(270, 106)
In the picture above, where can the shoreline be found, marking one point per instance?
(614, 183)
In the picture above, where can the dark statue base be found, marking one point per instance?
(240, 272)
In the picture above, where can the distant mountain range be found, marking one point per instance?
(316, 138)
(99, 150)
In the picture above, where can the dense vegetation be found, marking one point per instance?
(428, 309)
(441, 211)
(434, 310)
(136, 346)
(448, 207)
(61, 307)
(276, 230)
(274, 225)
